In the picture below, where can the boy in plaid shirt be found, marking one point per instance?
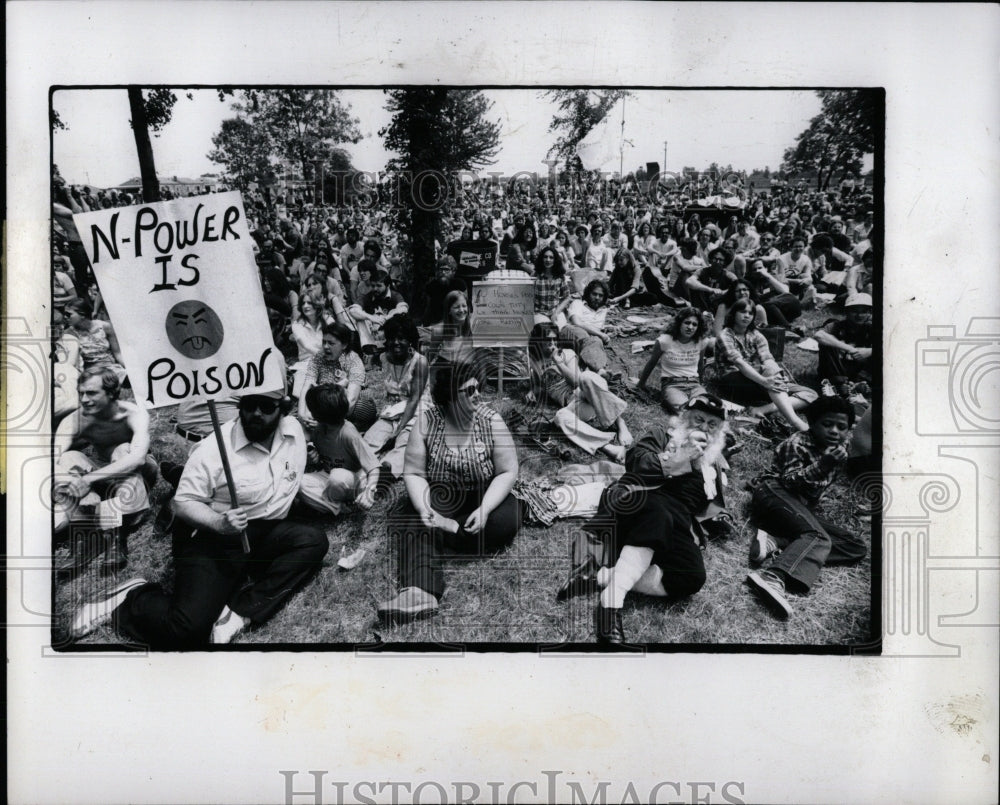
(783, 504)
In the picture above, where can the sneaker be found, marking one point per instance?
(770, 587)
(97, 613)
(762, 546)
(411, 604)
(227, 626)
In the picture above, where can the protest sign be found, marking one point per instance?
(475, 258)
(504, 311)
(180, 284)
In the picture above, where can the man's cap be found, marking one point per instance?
(276, 394)
(708, 403)
(858, 300)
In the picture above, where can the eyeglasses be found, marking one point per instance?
(265, 405)
(470, 388)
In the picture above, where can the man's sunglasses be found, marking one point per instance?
(265, 405)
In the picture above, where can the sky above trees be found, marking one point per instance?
(749, 129)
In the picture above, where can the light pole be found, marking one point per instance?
(663, 170)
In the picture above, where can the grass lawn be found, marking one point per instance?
(511, 598)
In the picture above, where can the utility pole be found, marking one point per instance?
(621, 148)
(663, 170)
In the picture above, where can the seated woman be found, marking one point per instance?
(551, 289)
(646, 519)
(96, 341)
(586, 326)
(741, 289)
(749, 375)
(626, 279)
(451, 338)
(338, 362)
(587, 410)
(342, 467)
(459, 470)
(307, 334)
(521, 255)
(678, 352)
(406, 392)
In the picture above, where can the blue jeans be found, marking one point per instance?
(807, 542)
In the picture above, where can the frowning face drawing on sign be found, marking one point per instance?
(194, 329)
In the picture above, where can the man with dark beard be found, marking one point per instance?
(213, 599)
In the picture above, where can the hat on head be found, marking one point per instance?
(708, 403)
(858, 300)
(276, 394)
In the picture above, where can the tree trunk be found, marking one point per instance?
(140, 129)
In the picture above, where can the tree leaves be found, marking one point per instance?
(838, 137)
(580, 110)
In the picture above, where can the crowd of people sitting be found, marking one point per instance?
(730, 284)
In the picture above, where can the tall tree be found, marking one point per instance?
(150, 112)
(244, 150)
(838, 137)
(579, 111)
(436, 133)
(305, 125)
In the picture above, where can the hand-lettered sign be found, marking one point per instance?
(180, 284)
(504, 311)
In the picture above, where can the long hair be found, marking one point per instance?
(449, 325)
(674, 330)
(539, 335)
(739, 307)
(558, 269)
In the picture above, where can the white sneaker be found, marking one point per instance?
(227, 626)
(762, 546)
(96, 613)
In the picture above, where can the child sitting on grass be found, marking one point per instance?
(783, 504)
(342, 467)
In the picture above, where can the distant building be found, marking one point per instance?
(177, 185)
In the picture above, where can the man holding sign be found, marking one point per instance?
(182, 289)
(211, 599)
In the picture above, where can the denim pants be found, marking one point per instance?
(807, 542)
(589, 347)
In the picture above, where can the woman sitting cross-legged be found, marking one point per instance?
(647, 517)
(589, 415)
(459, 470)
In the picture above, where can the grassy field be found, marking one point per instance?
(511, 598)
